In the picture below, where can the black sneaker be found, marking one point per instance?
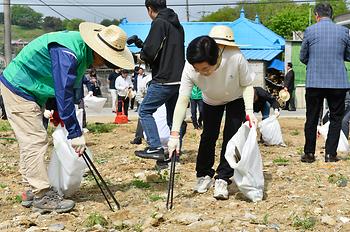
(164, 164)
(136, 140)
(52, 201)
(27, 198)
(151, 153)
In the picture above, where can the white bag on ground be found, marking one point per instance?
(270, 130)
(94, 103)
(343, 145)
(248, 170)
(66, 168)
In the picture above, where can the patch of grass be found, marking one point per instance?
(94, 219)
(14, 199)
(280, 161)
(2, 186)
(340, 180)
(300, 150)
(155, 197)
(137, 228)
(140, 184)
(5, 126)
(266, 219)
(304, 223)
(121, 227)
(294, 132)
(101, 161)
(99, 128)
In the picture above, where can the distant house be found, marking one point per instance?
(259, 44)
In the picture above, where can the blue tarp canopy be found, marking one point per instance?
(276, 64)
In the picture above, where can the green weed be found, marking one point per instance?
(294, 132)
(5, 126)
(280, 161)
(140, 184)
(266, 219)
(99, 128)
(340, 180)
(304, 223)
(94, 219)
(155, 197)
(14, 199)
(2, 186)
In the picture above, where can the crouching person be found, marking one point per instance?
(49, 67)
(216, 65)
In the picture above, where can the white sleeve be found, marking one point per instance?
(179, 112)
(246, 77)
(186, 81)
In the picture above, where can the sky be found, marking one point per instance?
(133, 14)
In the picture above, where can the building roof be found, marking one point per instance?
(257, 41)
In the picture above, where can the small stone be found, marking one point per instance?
(56, 227)
(187, 218)
(274, 226)
(195, 226)
(140, 175)
(317, 211)
(328, 220)
(98, 228)
(214, 229)
(34, 229)
(111, 146)
(250, 216)
(344, 220)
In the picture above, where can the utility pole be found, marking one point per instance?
(187, 11)
(7, 36)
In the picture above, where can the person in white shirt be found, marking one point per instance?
(123, 85)
(216, 65)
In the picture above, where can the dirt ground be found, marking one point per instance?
(297, 196)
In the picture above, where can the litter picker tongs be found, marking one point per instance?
(93, 169)
(169, 200)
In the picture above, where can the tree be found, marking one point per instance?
(107, 22)
(72, 25)
(52, 24)
(25, 16)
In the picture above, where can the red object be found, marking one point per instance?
(56, 119)
(121, 118)
(247, 118)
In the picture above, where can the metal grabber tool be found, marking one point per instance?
(169, 201)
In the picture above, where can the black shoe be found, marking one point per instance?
(331, 158)
(137, 140)
(292, 110)
(164, 164)
(308, 158)
(151, 153)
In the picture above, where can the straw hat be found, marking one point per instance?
(223, 35)
(109, 42)
(284, 95)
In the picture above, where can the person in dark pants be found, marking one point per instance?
(324, 49)
(164, 50)
(263, 100)
(220, 70)
(196, 100)
(123, 85)
(289, 86)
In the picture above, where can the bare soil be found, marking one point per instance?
(298, 196)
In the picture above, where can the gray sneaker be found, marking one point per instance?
(203, 184)
(52, 201)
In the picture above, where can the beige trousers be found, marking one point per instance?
(26, 119)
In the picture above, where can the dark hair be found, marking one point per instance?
(324, 10)
(289, 64)
(92, 72)
(156, 5)
(202, 49)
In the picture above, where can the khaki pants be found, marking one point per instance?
(26, 119)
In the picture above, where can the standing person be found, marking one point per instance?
(289, 86)
(219, 69)
(263, 100)
(196, 100)
(324, 49)
(163, 49)
(111, 82)
(50, 66)
(138, 81)
(123, 85)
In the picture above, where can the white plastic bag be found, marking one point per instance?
(243, 155)
(343, 145)
(66, 168)
(94, 103)
(270, 130)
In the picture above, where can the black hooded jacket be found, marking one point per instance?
(164, 48)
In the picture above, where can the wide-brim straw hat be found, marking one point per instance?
(109, 42)
(223, 35)
(284, 95)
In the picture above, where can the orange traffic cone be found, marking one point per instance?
(121, 118)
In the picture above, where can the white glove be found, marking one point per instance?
(79, 144)
(173, 144)
(277, 113)
(90, 94)
(251, 118)
(48, 114)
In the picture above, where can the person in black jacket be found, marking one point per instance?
(164, 51)
(262, 102)
(289, 86)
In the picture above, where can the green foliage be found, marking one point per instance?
(2, 185)
(52, 24)
(100, 127)
(5, 126)
(72, 25)
(94, 219)
(14, 199)
(294, 132)
(107, 22)
(266, 219)
(140, 184)
(25, 16)
(155, 197)
(280, 161)
(223, 14)
(340, 180)
(305, 223)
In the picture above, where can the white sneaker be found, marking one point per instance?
(203, 184)
(221, 192)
